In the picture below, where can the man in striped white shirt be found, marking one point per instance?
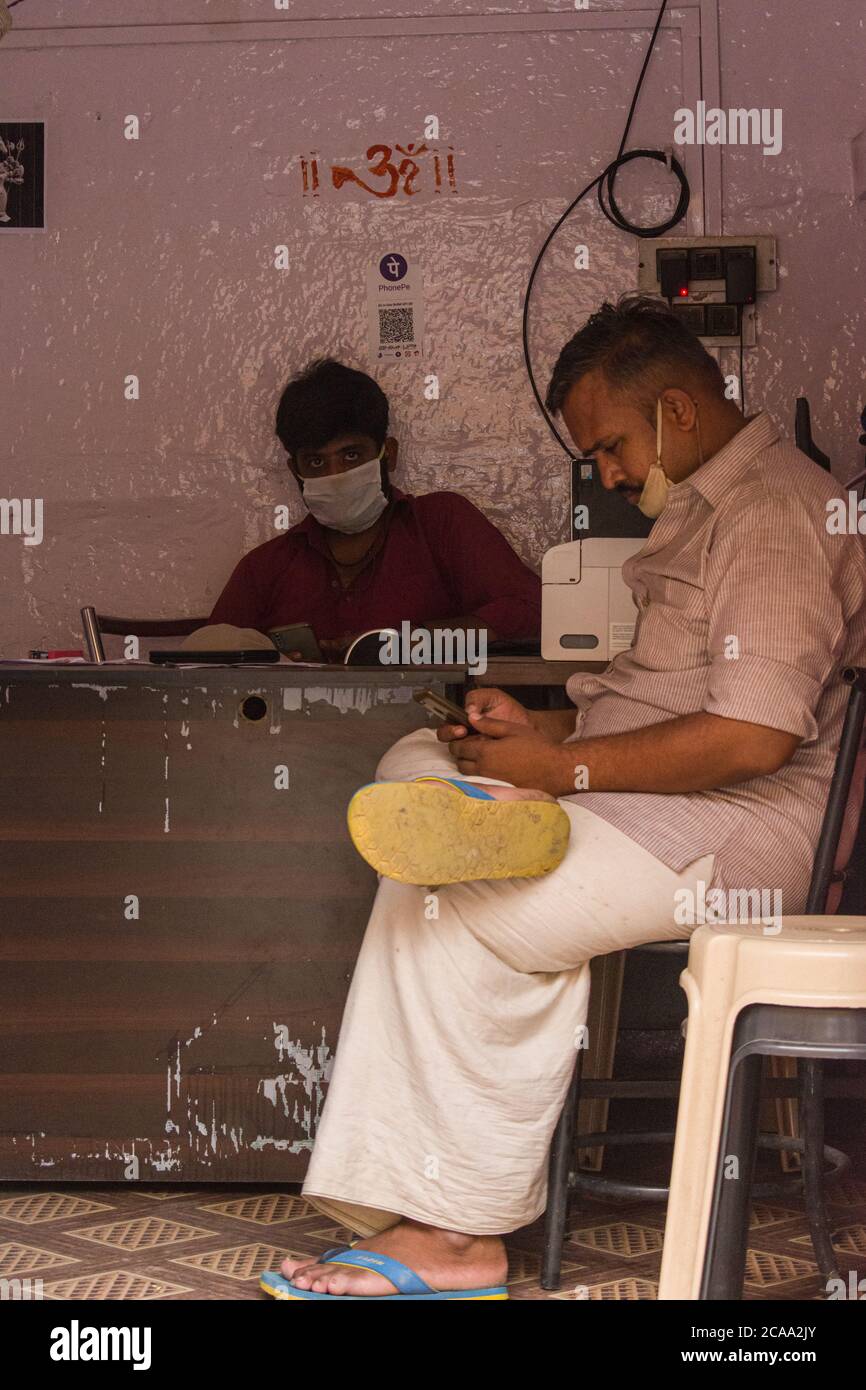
(702, 758)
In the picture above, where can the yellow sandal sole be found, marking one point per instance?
(429, 834)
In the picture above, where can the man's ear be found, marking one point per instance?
(294, 472)
(391, 450)
(680, 406)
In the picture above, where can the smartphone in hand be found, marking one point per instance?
(296, 637)
(444, 709)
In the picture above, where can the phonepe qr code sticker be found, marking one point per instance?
(397, 326)
(395, 306)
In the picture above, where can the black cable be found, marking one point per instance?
(742, 375)
(604, 182)
(612, 212)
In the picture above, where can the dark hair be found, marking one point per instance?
(639, 344)
(326, 400)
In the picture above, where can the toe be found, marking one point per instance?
(335, 1284)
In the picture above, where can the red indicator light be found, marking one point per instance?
(683, 292)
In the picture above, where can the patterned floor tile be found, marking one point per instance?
(17, 1259)
(610, 1291)
(267, 1210)
(767, 1269)
(850, 1239)
(621, 1238)
(526, 1264)
(33, 1207)
(119, 1284)
(165, 1194)
(240, 1261)
(334, 1235)
(765, 1215)
(146, 1233)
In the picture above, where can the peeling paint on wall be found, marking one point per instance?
(347, 697)
(203, 1133)
(204, 1129)
(103, 691)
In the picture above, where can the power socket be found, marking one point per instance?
(723, 278)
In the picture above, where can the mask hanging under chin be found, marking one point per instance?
(654, 496)
(653, 499)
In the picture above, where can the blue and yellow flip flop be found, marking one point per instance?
(421, 832)
(410, 1285)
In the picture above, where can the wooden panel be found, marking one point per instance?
(192, 1041)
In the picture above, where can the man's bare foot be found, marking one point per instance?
(443, 1259)
(501, 793)
(517, 794)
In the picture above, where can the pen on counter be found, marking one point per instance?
(37, 655)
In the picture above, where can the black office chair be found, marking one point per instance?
(803, 434)
(826, 873)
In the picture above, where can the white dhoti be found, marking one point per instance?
(458, 1039)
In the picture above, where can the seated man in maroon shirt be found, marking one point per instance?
(370, 556)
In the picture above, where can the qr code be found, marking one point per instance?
(396, 325)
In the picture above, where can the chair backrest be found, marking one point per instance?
(148, 627)
(848, 836)
(844, 803)
(94, 625)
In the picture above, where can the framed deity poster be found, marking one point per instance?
(22, 176)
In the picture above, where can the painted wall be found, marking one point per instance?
(158, 258)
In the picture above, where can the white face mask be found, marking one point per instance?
(654, 497)
(348, 502)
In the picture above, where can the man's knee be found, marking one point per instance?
(408, 755)
(518, 923)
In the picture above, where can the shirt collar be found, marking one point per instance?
(315, 532)
(715, 478)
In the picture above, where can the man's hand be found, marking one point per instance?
(512, 752)
(490, 702)
(334, 648)
(693, 752)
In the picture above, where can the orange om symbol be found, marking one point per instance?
(382, 167)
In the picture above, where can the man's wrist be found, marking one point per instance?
(568, 775)
(556, 724)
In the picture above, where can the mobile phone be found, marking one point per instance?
(296, 637)
(248, 657)
(444, 709)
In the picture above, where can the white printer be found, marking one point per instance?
(586, 608)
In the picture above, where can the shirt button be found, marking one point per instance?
(334, 584)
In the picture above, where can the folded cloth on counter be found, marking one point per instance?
(225, 637)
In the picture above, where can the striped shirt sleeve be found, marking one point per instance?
(776, 624)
